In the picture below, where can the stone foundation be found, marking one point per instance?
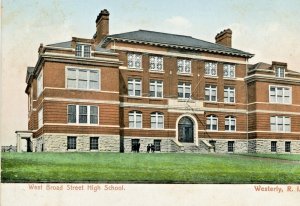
(58, 143)
(264, 146)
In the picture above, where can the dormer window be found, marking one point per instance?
(83, 50)
(279, 72)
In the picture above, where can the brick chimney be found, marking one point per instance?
(102, 26)
(224, 38)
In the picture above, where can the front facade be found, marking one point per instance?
(123, 92)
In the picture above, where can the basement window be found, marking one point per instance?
(230, 146)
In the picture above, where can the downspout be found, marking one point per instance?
(247, 112)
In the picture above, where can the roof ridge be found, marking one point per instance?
(58, 43)
(165, 33)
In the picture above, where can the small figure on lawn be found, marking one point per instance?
(138, 147)
(152, 148)
(148, 148)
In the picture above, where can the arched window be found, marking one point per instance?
(135, 119)
(212, 122)
(157, 120)
(230, 123)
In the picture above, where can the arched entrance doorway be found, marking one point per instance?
(185, 130)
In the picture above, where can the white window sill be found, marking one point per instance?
(157, 71)
(85, 90)
(229, 78)
(185, 74)
(71, 150)
(210, 76)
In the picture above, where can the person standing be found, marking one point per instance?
(148, 148)
(138, 147)
(152, 148)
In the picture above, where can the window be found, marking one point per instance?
(273, 146)
(135, 145)
(82, 79)
(94, 143)
(281, 95)
(134, 61)
(280, 124)
(71, 113)
(157, 144)
(230, 123)
(287, 147)
(184, 90)
(82, 114)
(229, 70)
(230, 146)
(229, 94)
(134, 87)
(212, 123)
(71, 144)
(279, 72)
(156, 63)
(211, 68)
(135, 119)
(156, 88)
(40, 118)
(184, 66)
(83, 50)
(40, 84)
(211, 93)
(157, 120)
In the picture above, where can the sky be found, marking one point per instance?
(267, 28)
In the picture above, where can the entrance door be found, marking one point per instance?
(185, 130)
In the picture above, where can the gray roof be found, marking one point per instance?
(66, 44)
(259, 65)
(176, 40)
(29, 73)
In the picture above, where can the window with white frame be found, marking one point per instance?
(229, 70)
(40, 83)
(135, 119)
(211, 68)
(134, 87)
(82, 79)
(156, 63)
(229, 94)
(279, 72)
(281, 95)
(82, 114)
(230, 123)
(211, 93)
(83, 50)
(280, 124)
(184, 90)
(184, 66)
(156, 88)
(212, 122)
(40, 118)
(134, 61)
(157, 120)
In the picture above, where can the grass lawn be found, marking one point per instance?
(147, 168)
(277, 156)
